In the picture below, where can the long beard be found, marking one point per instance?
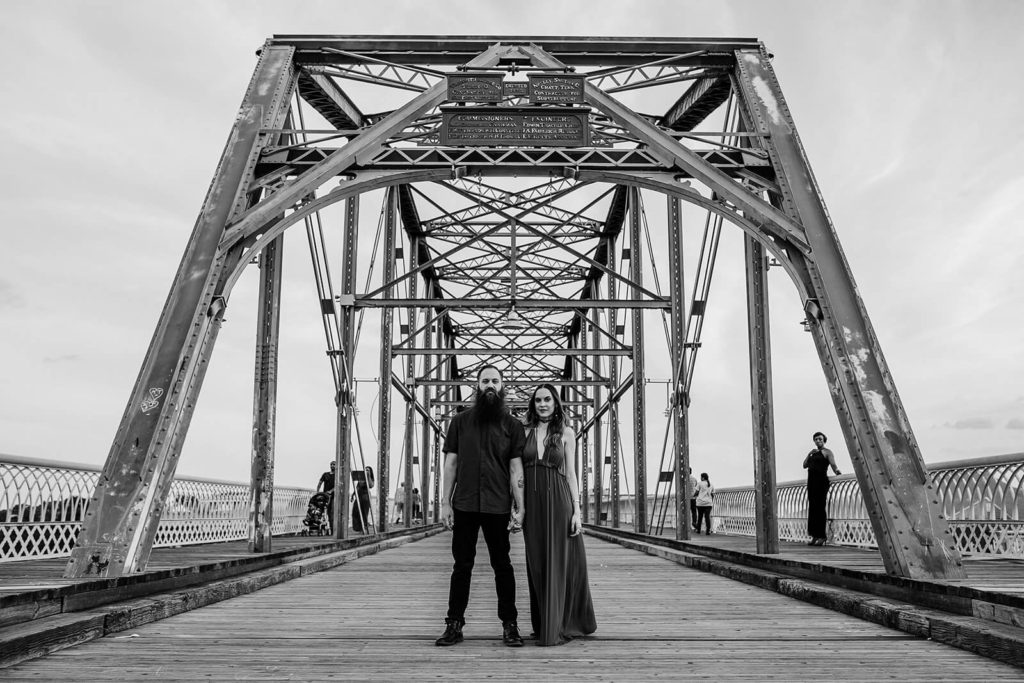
(490, 405)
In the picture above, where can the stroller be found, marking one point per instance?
(316, 520)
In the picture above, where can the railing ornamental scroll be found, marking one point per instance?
(982, 498)
(42, 503)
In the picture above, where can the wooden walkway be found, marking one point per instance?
(1005, 575)
(376, 619)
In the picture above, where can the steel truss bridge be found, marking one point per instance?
(539, 257)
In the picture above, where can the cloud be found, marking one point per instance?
(67, 357)
(972, 423)
(9, 296)
(1015, 423)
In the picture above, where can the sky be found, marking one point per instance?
(115, 114)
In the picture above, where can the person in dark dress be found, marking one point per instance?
(361, 502)
(556, 562)
(817, 463)
(483, 473)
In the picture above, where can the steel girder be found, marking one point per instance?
(913, 537)
(766, 522)
(639, 374)
(516, 272)
(121, 522)
(346, 394)
(268, 326)
(680, 401)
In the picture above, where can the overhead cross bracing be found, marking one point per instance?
(532, 195)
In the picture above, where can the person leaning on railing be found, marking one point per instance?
(817, 463)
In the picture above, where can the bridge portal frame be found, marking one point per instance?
(765, 188)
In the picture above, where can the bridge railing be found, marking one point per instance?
(42, 503)
(982, 498)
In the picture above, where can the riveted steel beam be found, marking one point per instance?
(386, 357)
(329, 100)
(680, 407)
(268, 326)
(457, 50)
(766, 519)
(359, 150)
(340, 522)
(121, 522)
(696, 104)
(639, 388)
(913, 537)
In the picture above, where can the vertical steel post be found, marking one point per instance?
(639, 376)
(121, 521)
(598, 450)
(261, 488)
(426, 440)
(766, 523)
(387, 315)
(340, 522)
(436, 454)
(913, 536)
(680, 400)
(613, 411)
(584, 441)
(410, 401)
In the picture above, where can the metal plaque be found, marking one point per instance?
(519, 127)
(475, 87)
(556, 88)
(516, 88)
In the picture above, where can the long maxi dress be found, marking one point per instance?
(817, 494)
(556, 563)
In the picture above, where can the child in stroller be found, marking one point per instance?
(316, 521)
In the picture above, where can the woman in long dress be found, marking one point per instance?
(817, 463)
(556, 561)
(361, 502)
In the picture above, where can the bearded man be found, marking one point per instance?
(483, 454)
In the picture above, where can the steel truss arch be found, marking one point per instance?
(666, 184)
(756, 177)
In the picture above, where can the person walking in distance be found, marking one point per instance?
(705, 500)
(400, 503)
(817, 463)
(483, 462)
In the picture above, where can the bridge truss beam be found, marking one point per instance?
(510, 255)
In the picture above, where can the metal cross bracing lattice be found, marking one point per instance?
(545, 259)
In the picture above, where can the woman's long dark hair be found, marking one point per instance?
(557, 424)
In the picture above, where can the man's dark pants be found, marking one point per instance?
(464, 536)
(693, 514)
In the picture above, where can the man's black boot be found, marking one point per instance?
(452, 633)
(510, 634)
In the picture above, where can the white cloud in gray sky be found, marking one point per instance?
(117, 113)
(973, 423)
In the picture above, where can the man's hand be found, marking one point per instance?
(575, 527)
(447, 518)
(516, 523)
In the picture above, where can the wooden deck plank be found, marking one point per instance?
(377, 618)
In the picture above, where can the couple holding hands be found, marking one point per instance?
(499, 477)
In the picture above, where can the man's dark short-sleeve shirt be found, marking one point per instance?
(484, 453)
